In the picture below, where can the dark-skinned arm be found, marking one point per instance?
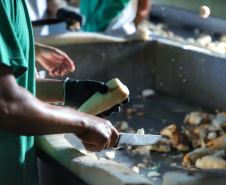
(143, 10)
(22, 113)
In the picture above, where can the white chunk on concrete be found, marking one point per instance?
(153, 174)
(110, 154)
(135, 169)
(140, 131)
(147, 93)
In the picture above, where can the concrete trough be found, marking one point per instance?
(192, 75)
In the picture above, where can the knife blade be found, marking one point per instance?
(126, 139)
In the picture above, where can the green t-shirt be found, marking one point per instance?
(18, 164)
(99, 13)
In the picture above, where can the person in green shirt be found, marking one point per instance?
(99, 14)
(22, 115)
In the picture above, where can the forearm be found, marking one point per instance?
(22, 113)
(20, 116)
(39, 49)
(50, 91)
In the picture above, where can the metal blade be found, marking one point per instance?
(137, 139)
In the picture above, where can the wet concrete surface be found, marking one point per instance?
(158, 112)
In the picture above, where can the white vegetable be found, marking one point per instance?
(110, 155)
(135, 169)
(147, 93)
(153, 174)
(99, 103)
(212, 135)
(83, 151)
(204, 40)
(140, 131)
(210, 162)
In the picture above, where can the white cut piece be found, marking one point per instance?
(212, 135)
(140, 34)
(140, 131)
(110, 154)
(83, 151)
(217, 47)
(153, 174)
(194, 118)
(204, 40)
(191, 40)
(147, 93)
(173, 164)
(210, 162)
(99, 103)
(135, 169)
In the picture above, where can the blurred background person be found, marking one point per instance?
(115, 17)
(45, 11)
(55, 61)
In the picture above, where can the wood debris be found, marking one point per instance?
(209, 139)
(190, 158)
(178, 139)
